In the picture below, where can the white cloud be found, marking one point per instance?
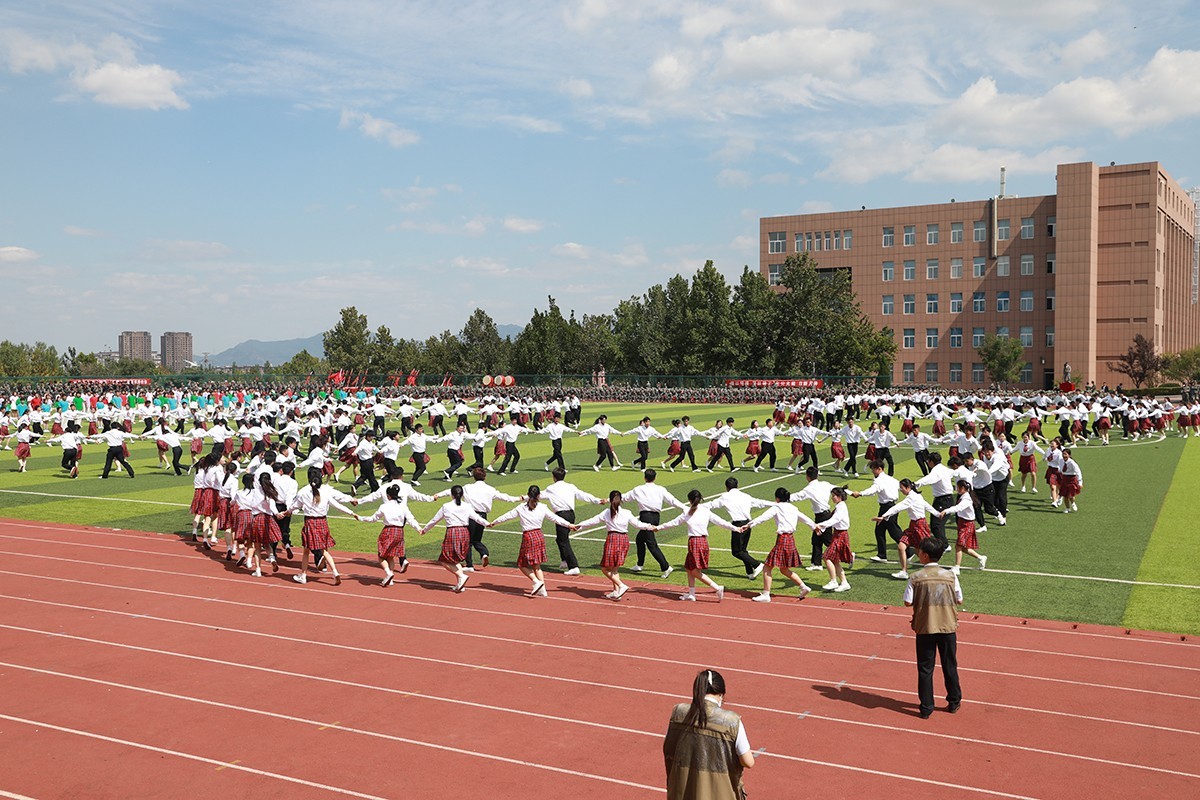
(411, 198)
(734, 179)
(1093, 46)
(671, 73)
(745, 243)
(819, 52)
(485, 265)
(572, 250)
(815, 206)
(75, 230)
(12, 254)
(529, 124)
(381, 130)
(474, 227)
(174, 250)
(132, 85)
(518, 225)
(578, 88)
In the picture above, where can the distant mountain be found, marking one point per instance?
(509, 331)
(252, 351)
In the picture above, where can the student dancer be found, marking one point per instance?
(644, 432)
(243, 523)
(390, 545)
(918, 527)
(418, 441)
(739, 506)
(115, 438)
(454, 443)
(753, 444)
(684, 434)
(817, 492)
(1027, 462)
(25, 437)
(617, 522)
(698, 517)
(168, 440)
(479, 496)
(533, 542)
(227, 509)
(512, 455)
(264, 528)
(562, 497)
(203, 499)
(70, 441)
(967, 542)
(650, 499)
(602, 431)
(456, 543)
(555, 431)
(783, 555)
(720, 436)
(313, 505)
(766, 440)
(837, 550)
(1071, 482)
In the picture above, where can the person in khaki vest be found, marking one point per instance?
(934, 595)
(706, 748)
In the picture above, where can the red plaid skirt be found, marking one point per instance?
(1052, 476)
(4, 430)
(125, 450)
(161, 445)
(797, 447)
(673, 448)
(870, 452)
(906, 426)
(697, 557)
(616, 550)
(793, 418)
(533, 549)
(225, 516)
(202, 502)
(497, 450)
(197, 446)
(22, 450)
(1104, 423)
(997, 428)
(1068, 486)
(128, 426)
(713, 448)
(315, 534)
(939, 428)
(917, 531)
(56, 429)
(966, 534)
(241, 526)
(1034, 426)
(1028, 464)
(778, 415)
(454, 545)
(91, 429)
(228, 446)
(784, 554)
(837, 451)
(753, 448)
(839, 552)
(247, 445)
(391, 542)
(327, 468)
(264, 529)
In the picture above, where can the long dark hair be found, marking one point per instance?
(614, 502)
(315, 479)
(694, 497)
(533, 495)
(268, 488)
(964, 485)
(708, 681)
(456, 492)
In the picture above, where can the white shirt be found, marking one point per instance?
(914, 504)
(698, 521)
(787, 518)
(963, 509)
(393, 513)
(562, 496)
(309, 507)
(532, 518)
(619, 523)
(940, 479)
(480, 496)
(817, 492)
(455, 516)
(738, 504)
(651, 497)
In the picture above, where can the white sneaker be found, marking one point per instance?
(574, 571)
(489, 468)
(510, 472)
(1022, 490)
(804, 590)
(468, 569)
(983, 562)
(257, 573)
(636, 568)
(1035, 491)
(546, 467)
(667, 572)
(758, 469)
(879, 560)
(461, 586)
(619, 593)
(720, 590)
(596, 467)
(954, 569)
(1066, 511)
(901, 575)
(301, 578)
(562, 565)
(614, 469)
(609, 595)
(1074, 507)
(761, 598)
(757, 571)
(1001, 519)
(691, 598)
(829, 587)
(813, 568)
(981, 529)
(542, 591)
(843, 587)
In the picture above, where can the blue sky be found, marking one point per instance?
(243, 170)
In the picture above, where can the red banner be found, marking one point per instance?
(783, 383)
(123, 381)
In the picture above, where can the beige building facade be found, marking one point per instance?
(1074, 276)
(135, 345)
(175, 348)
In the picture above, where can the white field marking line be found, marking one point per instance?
(582, 623)
(555, 678)
(503, 709)
(13, 796)
(191, 757)
(655, 734)
(89, 497)
(171, 539)
(1091, 578)
(1123, 661)
(347, 729)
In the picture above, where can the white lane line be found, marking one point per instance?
(190, 757)
(89, 497)
(501, 670)
(1182, 641)
(13, 796)
(1093, 578)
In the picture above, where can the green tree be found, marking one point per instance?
(14, 358)
(304, 363)
(752, 305)
(1002, 357)
(597, 346)
(712, 328)
(383, 358)
(482, 351)
(1141, 362)
(347, 344)
(1184, 366)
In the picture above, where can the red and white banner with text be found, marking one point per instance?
(783, 383)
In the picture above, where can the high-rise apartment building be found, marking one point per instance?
(134, 345)
(175, 349)
(1074, 275)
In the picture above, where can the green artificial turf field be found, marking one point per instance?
(1133, 527)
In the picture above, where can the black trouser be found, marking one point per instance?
(768, 451)
(820, 540)
(406, 425)
(476, 531)
(218, 448)
(604, 450)
(922, 457)
(646, 540)
(721, 451)
(885, 454)
(562, 538)
(285, 526)
(931, 646)
(685, 451)
(986, 503)
(1064, 431)
(852, 457)
(739, 544)
(176, 454)
(438, 427)
(118, 455)
(389, 466)
(885, 528)
(69, 457)
(149, 425)
(478, 453)
(937, 524)
(418, 460)
(643, 450)
(379, 427)
(1000, 495)
(37, 428)
(556, 453)
(462, 420)
(339, 435)
(366, 474)
(886, 422)
(456, 461)
(511, 454)
(808, 450)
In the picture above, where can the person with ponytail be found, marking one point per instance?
(313, 505)
(390, 546)
(837, 549)
(264, 530)
(602, 431)
(457, 516)
(617, 522)
(964, 511)
(243, 500)
(698, 517)
(201, 498)
(918, 527)
(533, 542)
(226, 508)
(706, 749)
(784, 554)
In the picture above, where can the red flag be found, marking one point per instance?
(337, 377)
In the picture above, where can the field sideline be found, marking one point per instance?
(1118, 562)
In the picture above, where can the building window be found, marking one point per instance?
(1027, 228)
(1002, 267)
(1049, 299)
(1002, 301)
(910, 235)
(956, 372)
(889, 304)
(979, 267)
(1051, 224)
(1026, 336)
(956, 337)
(1051, 266)
(837, 240)
(910, 372)
(1027, 373)
(980, 231)
(956, 233)
(931, 338)
(828, 241)
(956, 304)
(977, 372)
(910, 338)
(910, 304)
(818, 241)
(774, 274)
(931, 304)
(1050, 336)
(1027, 264)
(955, 268)
(799, 242)
(1002, 230)
(847, 239)
(1001, 331)
(808, 242)
(910, 270)
(931, 269)
(776, 242)
(932, 234)
(889, 270)
(1027, 300)
(977, 335)
(889, 237)
(931, 373)
(979, 302)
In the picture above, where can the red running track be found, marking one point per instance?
(150, 668)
